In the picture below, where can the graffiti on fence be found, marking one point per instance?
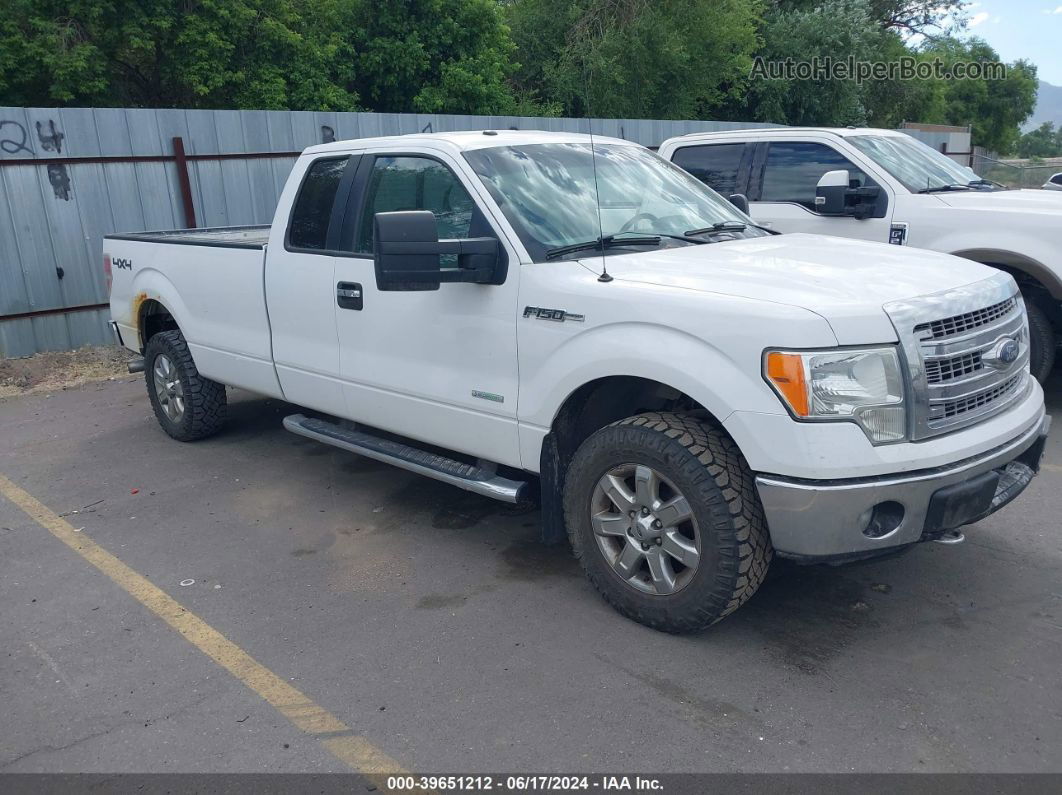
(59, 179)
(13, 137)
(52, 140)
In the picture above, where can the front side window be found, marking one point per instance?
(793, 170)
(564, 194)
(415, 183)
(917, 166)
(1057, 179)
(715, 165)
(313, 206)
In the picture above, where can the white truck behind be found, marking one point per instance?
(719, 395)
(888, 187)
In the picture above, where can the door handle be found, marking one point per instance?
(348, 295)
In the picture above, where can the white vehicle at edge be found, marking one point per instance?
(888, 187)
(1055, 183)
(722, 395)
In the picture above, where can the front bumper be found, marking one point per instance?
(862, 517)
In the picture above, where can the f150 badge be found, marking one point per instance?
(557, 315)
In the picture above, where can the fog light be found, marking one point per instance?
(882, 519)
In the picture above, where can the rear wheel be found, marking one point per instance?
(1042, 340)
(663, 514)
(187, 405)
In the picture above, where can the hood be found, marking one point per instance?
(845, 281)
(1023, 201)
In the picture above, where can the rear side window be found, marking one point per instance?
(716, 166)
(793, 171)
(313, 205)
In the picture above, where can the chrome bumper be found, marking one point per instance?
(862, 517)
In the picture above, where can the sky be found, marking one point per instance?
(1030, 29)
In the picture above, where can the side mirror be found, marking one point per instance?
(834, 196)
(741, 201)
(407, 251)
(830, 193)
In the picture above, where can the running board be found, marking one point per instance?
(481, 478)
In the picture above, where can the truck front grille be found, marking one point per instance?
(941, 370)
(953, 408)
(960, 324)
(952, 342)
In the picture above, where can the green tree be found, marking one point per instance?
(635, 58)
(175, 53)
(1044, 141)
(433, 56)
(995, 109)
(833, 29)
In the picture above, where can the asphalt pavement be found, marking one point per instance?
(432, 625)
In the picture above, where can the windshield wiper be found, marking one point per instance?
(608, 241)
(722, 226)
(945, 188)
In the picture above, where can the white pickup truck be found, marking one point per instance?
(691, 394)
(886, 186)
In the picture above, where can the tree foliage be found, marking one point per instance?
(1044, 141)
(175, 53)
(640, 58)
(621, 58)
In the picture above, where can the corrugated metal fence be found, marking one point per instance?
(70, 176)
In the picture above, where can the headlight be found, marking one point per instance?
(860, 385)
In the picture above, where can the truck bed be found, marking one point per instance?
(223, 236)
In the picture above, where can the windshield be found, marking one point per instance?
(918, 166)
(547, 192)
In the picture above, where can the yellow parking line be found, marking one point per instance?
(354, 751)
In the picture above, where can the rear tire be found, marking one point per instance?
(1042, 340)
(187, 405)
(627, 479)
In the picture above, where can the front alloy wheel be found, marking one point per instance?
(645, 529)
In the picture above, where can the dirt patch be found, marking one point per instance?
(47, 372)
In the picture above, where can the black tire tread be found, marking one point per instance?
(744, 564)
(1043, 340)
(205, 400)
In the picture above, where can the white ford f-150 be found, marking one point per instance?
(888, 187)
(719, 395)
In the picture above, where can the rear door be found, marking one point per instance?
(439, 366)
(300, 284)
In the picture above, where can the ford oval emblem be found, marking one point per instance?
(1007, 351)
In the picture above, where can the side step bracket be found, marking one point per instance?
(479, 478)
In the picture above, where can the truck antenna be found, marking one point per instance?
(604, 277)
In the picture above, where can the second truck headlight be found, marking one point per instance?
(863, 385)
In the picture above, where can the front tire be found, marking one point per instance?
(187, 405)
(1042, 341)
(663, 515)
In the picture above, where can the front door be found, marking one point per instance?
(783, 198)
(439, 365)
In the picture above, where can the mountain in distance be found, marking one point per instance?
(1048, 107)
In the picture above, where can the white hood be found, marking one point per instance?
(1023, 201)
(845, 281)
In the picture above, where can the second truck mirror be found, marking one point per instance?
(831, 191)
(406, 252)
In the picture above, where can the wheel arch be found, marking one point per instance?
(1028, 272)
(588, 408)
